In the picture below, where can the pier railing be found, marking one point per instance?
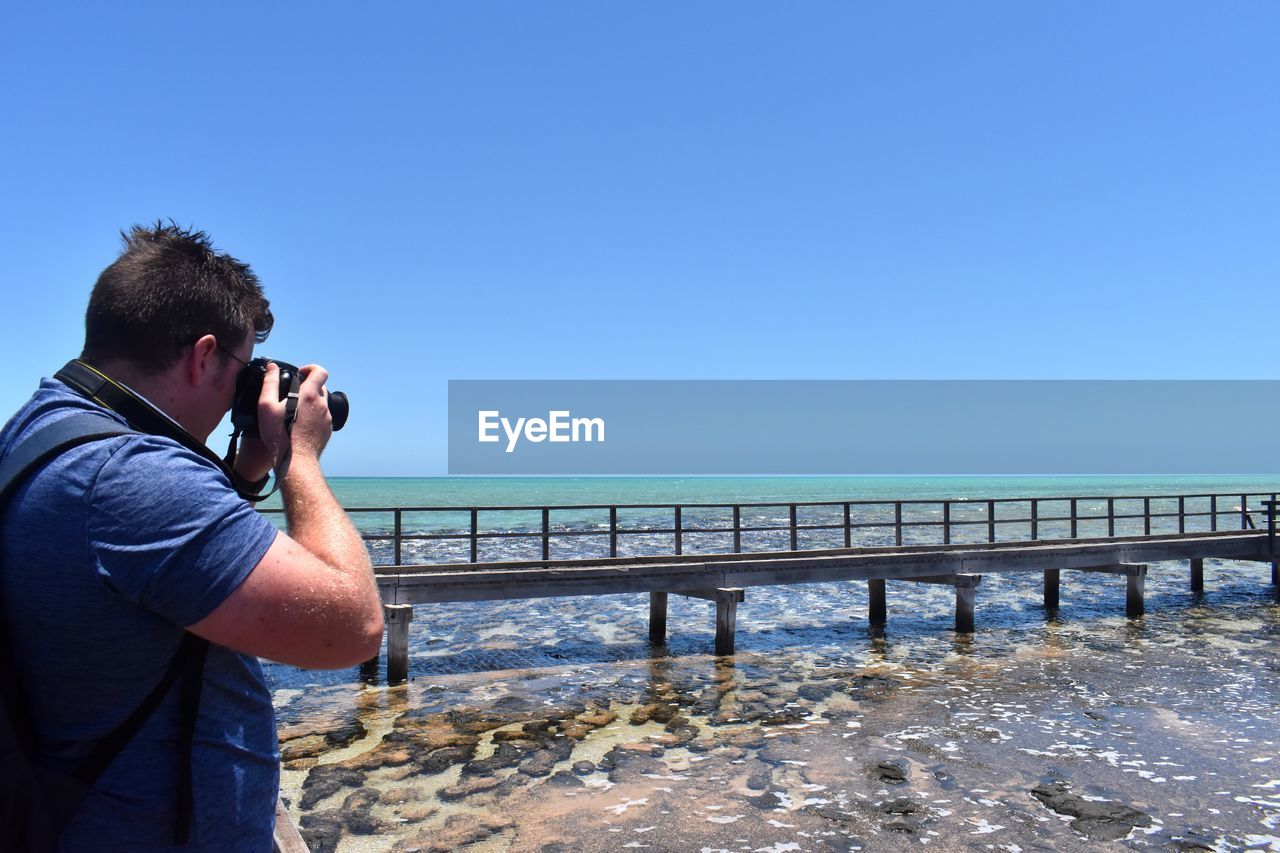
(440, 554)
(436, 535)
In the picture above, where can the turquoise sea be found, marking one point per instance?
(496, 491)
(649, 502)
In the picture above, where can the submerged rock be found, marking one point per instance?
(467, 787)
(546, 758)
(815, 692)
(890, 773)
(628, 765)
(316, 737)
(442, 759)
(325, 780)
(565, 779)
(506, 755)
(901, 805)
(417, 813)
(1192, 840)
(945, 780)
(910, 825)
(658, 712)
(1105, 821)
(597, 719)
(397, 796)
(321, 830)
(357, 813)
(870, 686)
(458, 831)
(309, 746)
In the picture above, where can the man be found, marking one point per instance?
(116, 548)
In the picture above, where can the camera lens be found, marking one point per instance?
(339, 408)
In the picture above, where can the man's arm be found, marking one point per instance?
(312, 600)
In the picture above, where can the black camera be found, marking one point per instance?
(244, 408)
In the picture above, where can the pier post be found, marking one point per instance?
(1135, 592)
(658, 618)
(1135, 584)
(1197, 574)
(1275, 574)
(966, 596)
(879, 611)
(1052, 585)
(726, 619)
(726, 601)
(966, 587)
(397, 617)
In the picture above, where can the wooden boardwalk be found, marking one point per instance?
(1158, 529)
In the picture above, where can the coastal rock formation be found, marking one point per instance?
(457, 832)
(890, 773)
(1099, 821)
(357, 813)
(325, 780)
(315, 739)
(470, 786)
(321, 830)
(890, 749)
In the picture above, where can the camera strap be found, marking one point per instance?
(282, 465)
(90, 382)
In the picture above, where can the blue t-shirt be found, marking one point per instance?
(105, 554)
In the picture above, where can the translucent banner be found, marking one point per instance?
(851, 427)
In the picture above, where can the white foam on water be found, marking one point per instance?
(620, 808)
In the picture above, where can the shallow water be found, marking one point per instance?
(1157, 732)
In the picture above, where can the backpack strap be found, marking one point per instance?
(42, 446)
(51, 441)
(188, 663)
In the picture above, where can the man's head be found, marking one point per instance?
(168, 288)
(171, 316)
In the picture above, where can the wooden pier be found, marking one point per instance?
(1132, 533)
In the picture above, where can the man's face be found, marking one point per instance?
(233, 360)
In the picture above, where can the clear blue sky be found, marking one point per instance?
(696, 190)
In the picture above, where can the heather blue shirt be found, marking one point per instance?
(106, 552)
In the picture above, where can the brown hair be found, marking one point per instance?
(168, 287)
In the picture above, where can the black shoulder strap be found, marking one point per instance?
(88, 381)
(51, 441)
(100, 388)
(37, 449)
(188, 663)
(32, 452)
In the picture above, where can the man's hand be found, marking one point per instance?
(257, 456)
(254, 459)
(312, 423)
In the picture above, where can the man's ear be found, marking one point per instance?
(203, 359)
